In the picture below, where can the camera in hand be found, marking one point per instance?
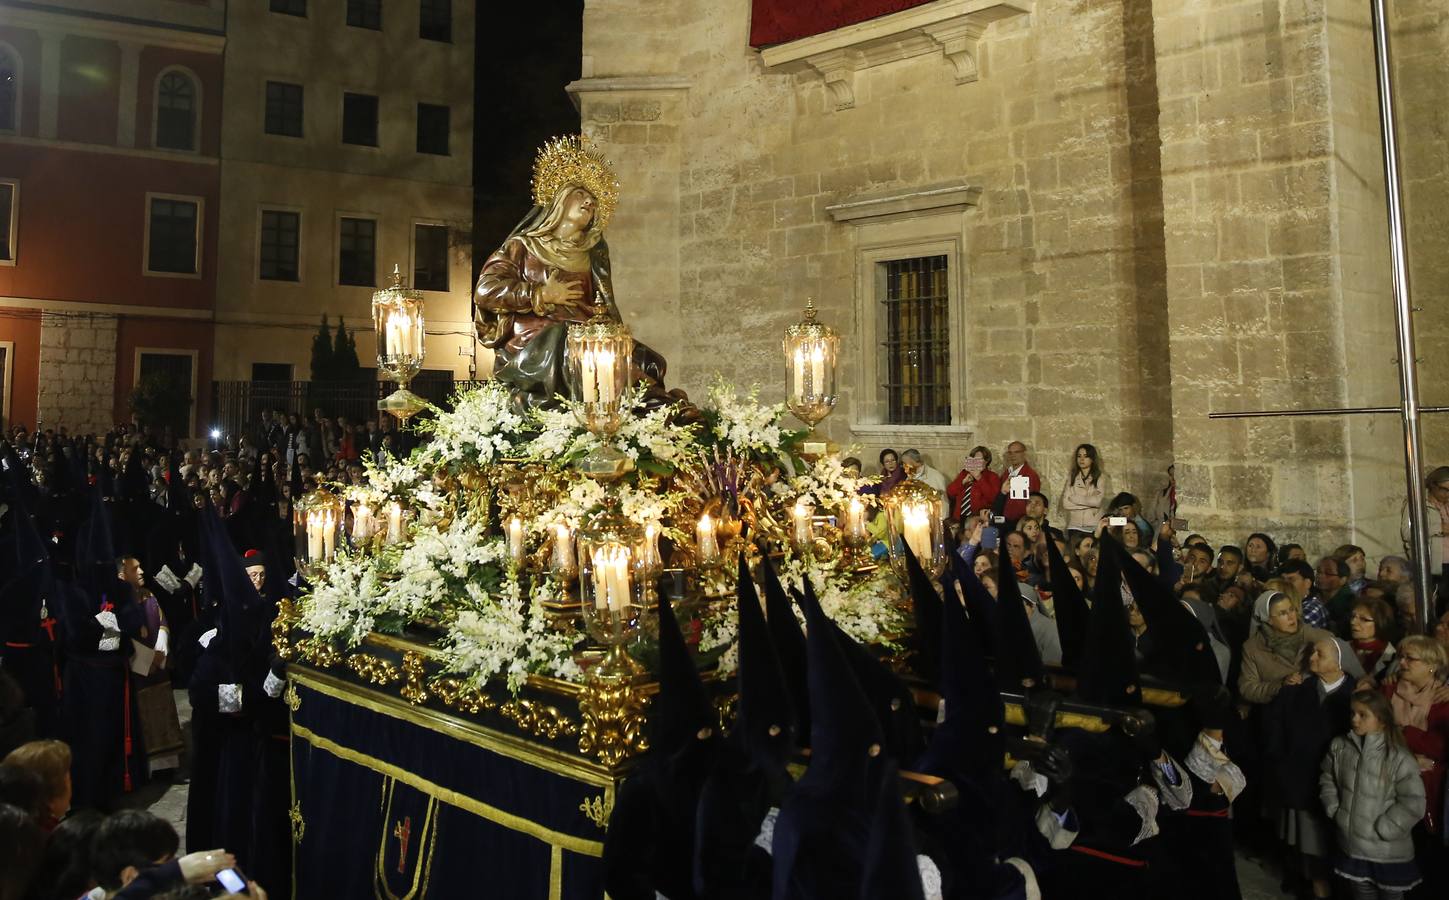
(1117, 521)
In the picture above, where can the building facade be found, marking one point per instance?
(1044, 220)
(347, 146)
(153, 225)
(110, 139)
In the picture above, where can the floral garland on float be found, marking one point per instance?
(473, 537)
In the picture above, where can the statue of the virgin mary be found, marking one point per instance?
(553, 270)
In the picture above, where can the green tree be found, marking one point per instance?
(345, 365)
(322, 354)
(161, 398)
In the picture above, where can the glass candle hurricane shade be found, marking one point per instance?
(811, 350)
(612, 580)
(913, 517)
(397, 319)
(317, 523)
(598, 368)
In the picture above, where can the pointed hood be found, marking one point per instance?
(1071, 609)
(239, 606)
(789, 643)
(970, 740)
(980, 605)
(681, 712)
(927, 609)
(1180, 650)
(1018, 660)
(95, 549)
(1108, 674)
(889, 868)
(845, 735)
(765, 722)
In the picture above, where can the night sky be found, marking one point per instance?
(526, 54)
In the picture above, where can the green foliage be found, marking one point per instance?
(161, 398)
(322, 353)
(345, 365)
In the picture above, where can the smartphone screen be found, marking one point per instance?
(1117, 521)
(989, 537)
(232, 880)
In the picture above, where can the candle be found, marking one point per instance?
(916, 530)
(515, 539)
(619, 579)
(802, 519)
(649, 550)
(394, 522)
(362, 523)
(855, 519)
(586, 375)
(604, 371)
(799, 375)
(329, 534)
(600, 579)
(563, 549)
(704, 536)
(817, 371)
(314, 537)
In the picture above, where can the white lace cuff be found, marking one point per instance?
(273, 685)
(193, 575)
(110, 632)
(1144, 799)
(168, 580)
(229, 698)
(163, 640)
(206, 636)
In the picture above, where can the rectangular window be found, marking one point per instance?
(359, 119)
(430, 257)
(271, 371)
(175, 372)
(915, 345)
(284, 109)
(173, 235)
(8, 214)
(435, 20)
(433, 125)
(365, 14)
(290, 7)
(356, 251)
(281, 231)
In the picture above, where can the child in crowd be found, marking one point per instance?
(1371, 789)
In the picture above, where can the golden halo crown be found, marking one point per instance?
(569, 161)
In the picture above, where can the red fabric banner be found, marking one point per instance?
(779, 21)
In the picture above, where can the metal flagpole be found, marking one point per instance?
(1403, 314)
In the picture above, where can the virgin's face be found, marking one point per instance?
(579, 208)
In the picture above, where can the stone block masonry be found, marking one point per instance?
(1180, 212)
(77, 372)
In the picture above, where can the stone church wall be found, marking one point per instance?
(1179, 211)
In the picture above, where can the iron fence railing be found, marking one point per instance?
(236, 406)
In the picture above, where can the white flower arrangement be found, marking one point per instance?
(450, 569)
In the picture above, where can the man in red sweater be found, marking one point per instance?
(1017, 467)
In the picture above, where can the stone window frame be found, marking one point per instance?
(413, 254)
(7, 381)
(337, 246)
(906, 225)
(170, 351)
(196, 99)
(9, 51)
(200, 202)
(12, 250)
(262, 210)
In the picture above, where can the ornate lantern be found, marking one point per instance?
(599, 354)
(913, 516)
(811, 350)
(317, 525)
(612, 586)
(397, 317)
